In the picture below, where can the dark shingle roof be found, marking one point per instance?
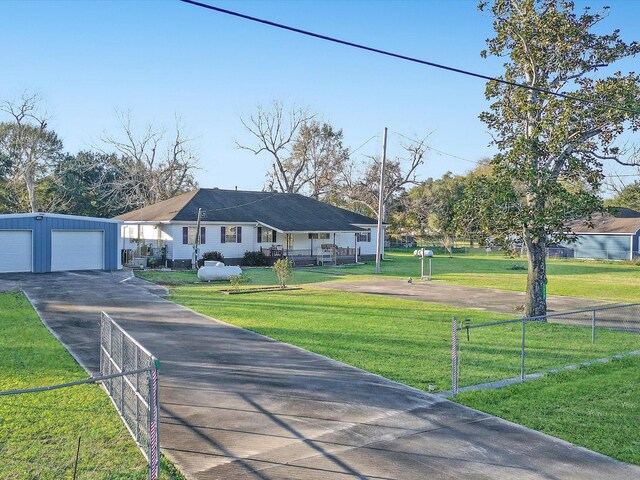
(624, 221)
(287, 212)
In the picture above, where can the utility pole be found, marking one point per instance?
(379, 235)
(196, 243)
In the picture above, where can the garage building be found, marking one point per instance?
(608, 236)
(50, 242)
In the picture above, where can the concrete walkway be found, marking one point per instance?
(490, 299)
(236, 405)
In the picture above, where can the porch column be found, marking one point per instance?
(355, 246)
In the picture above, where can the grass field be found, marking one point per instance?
(39, 432)
(596, 406)
(613, 281)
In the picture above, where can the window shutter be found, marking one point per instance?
(259, 234)
(369, 236)
(203, 235)
(223, 234)
(273, 236)
(238, 234)
(185, 235)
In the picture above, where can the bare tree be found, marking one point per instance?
(361, 185)
(145, 168)
(28, 150)
(275, 133)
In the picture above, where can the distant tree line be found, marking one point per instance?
(128, 171)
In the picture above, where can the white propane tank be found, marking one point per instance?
(213, 270)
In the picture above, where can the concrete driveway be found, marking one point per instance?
(490, 299)
(235, 404)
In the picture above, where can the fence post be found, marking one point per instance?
(154, 423)
(593, 326)
(524, 322)
(454, 356)
(101, 341)
(136, 366)
(122, 369)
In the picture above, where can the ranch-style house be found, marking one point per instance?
(233, 222)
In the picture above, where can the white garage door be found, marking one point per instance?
(76, 250)
(15, 251)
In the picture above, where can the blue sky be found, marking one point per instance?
(158, 59)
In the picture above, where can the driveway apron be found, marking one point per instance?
(237, 405)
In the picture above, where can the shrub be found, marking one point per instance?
(217, 256)
(516, 266)
(255, 259)
(237, 280)
(282, 269)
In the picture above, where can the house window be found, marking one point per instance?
(266, 235)
(319, 236)
(363, 237)
(132, 231)
(230, 234)
(189, 235)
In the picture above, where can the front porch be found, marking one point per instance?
(326, 254)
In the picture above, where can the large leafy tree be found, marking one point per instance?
(549, 166)
(77, 181)
(430, 208)
(318, 147)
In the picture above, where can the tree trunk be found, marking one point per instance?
(536, 302)
(31, 190)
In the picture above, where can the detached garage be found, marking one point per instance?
(50, 242)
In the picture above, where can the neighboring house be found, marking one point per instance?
(613, 237)
(234, 222)
(50, 242)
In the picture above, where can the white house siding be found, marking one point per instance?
(180, 251)
(155, 235)
(369, 248)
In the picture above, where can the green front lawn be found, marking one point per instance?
(39, 432)
(403, 340)
(597, 407)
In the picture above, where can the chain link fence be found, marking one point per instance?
(68, 431)
(491, 355)
(134, 395)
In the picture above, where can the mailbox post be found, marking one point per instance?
(422, 253)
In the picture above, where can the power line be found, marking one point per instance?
(239, 205)
(407, 58)
(478, 162)
(354, 151)
(436, 150)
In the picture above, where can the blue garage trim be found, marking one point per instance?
(41, 225)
